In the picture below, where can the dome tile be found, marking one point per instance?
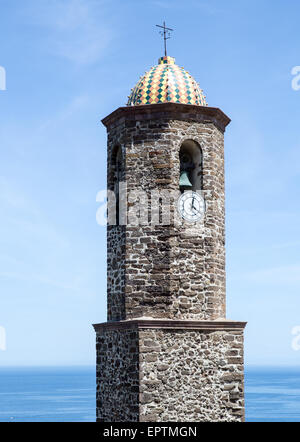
(166, 82)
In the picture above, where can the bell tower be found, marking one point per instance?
(167, 352)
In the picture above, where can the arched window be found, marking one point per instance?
(190, 156)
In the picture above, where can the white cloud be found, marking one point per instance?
(77, 29)
(205, 6)
(282, 275)
(286, 245)
(23, 214)
(73, 284)
(35, 249)
(14, 198)
(75, 105)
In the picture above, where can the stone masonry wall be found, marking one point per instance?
(116, 246)
(174, 271)
(159, 375)
(191, 375)
(117, 376)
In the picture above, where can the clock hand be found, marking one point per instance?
(194, 210)
(193, 202)
(197, 209)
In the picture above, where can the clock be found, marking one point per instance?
(191, 206)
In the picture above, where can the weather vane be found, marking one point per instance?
(166, 34)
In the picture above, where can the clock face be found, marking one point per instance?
(191, 206)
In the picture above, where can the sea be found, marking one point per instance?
(67, 394)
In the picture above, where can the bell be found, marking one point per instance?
(184, 181)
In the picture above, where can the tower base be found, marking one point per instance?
(170, 371)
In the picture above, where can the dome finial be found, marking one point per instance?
(166, 33)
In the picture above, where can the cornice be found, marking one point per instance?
(170, 324)
(168, 111)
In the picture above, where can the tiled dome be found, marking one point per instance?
(166, 82)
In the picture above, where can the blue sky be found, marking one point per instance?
(71, 62)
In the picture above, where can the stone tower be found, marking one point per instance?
(167, 352)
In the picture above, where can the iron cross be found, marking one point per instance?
(166, 33)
